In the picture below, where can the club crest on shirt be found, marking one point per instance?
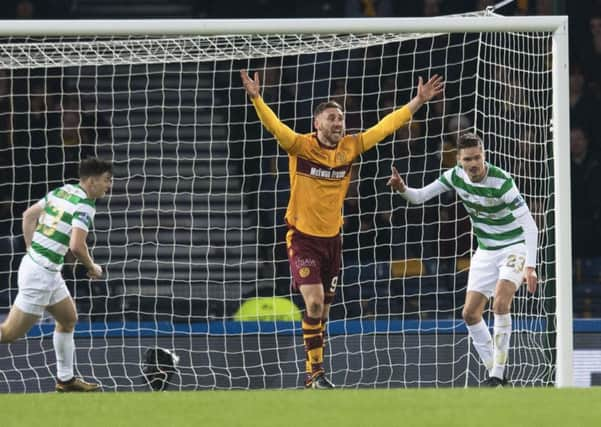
(304, 272)
(83, 217)
(517, 202)
(340, 157)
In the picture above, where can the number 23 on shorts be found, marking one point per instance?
(516, 262)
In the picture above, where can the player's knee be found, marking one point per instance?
(501, 306)
(315, 308)
(470, 317)
(66, 325)
(7, 335)
(70, 325)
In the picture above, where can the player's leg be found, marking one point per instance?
(33, 296)
(510, 262)
(313, 296)
(481, 284)
(475, 302)
(330, 281)
(17, 324)
(65, 315)
(303, 257)
(502, 329)
(323, 381)
(328, 298)
(62, 308)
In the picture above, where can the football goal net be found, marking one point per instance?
(192, 235)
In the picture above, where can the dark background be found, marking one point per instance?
(585, 85)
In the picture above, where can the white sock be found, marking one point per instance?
(502, 334)
(64, 346)
(482, 342)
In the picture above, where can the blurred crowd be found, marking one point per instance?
(585, 148)
(44, 131)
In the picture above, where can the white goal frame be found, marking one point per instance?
(556, 25)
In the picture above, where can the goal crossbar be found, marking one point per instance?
(282, 26)
(556, 25)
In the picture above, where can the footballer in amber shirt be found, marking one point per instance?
(319, 174)
(319, 178)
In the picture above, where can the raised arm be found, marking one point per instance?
(415, 195)
(252, 85)
(391, 122)
(285, 136)
(425, 92)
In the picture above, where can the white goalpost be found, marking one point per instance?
(192, 233)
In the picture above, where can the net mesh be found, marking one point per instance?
(194, 229)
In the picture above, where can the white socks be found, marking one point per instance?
(494, 356)
(502, 334)
(482, 342)
(64, 346)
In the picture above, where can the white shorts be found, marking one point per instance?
(488, 267)
(38, 287)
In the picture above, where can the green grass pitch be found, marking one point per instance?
(287, 408)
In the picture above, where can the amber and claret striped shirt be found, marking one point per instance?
(320, 175)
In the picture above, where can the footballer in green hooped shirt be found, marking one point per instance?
(54, 225)
(507, 245)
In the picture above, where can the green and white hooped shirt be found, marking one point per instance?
(500, 217)
(493, 205)
(63, 208)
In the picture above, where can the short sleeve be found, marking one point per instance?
(83, 217)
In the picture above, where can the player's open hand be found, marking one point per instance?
(430, 89)
(252, 86)
(396, 182)
(531, 279)
(95, 272)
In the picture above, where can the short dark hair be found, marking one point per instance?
(468, 140)
(94, 166)
(324, 106)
